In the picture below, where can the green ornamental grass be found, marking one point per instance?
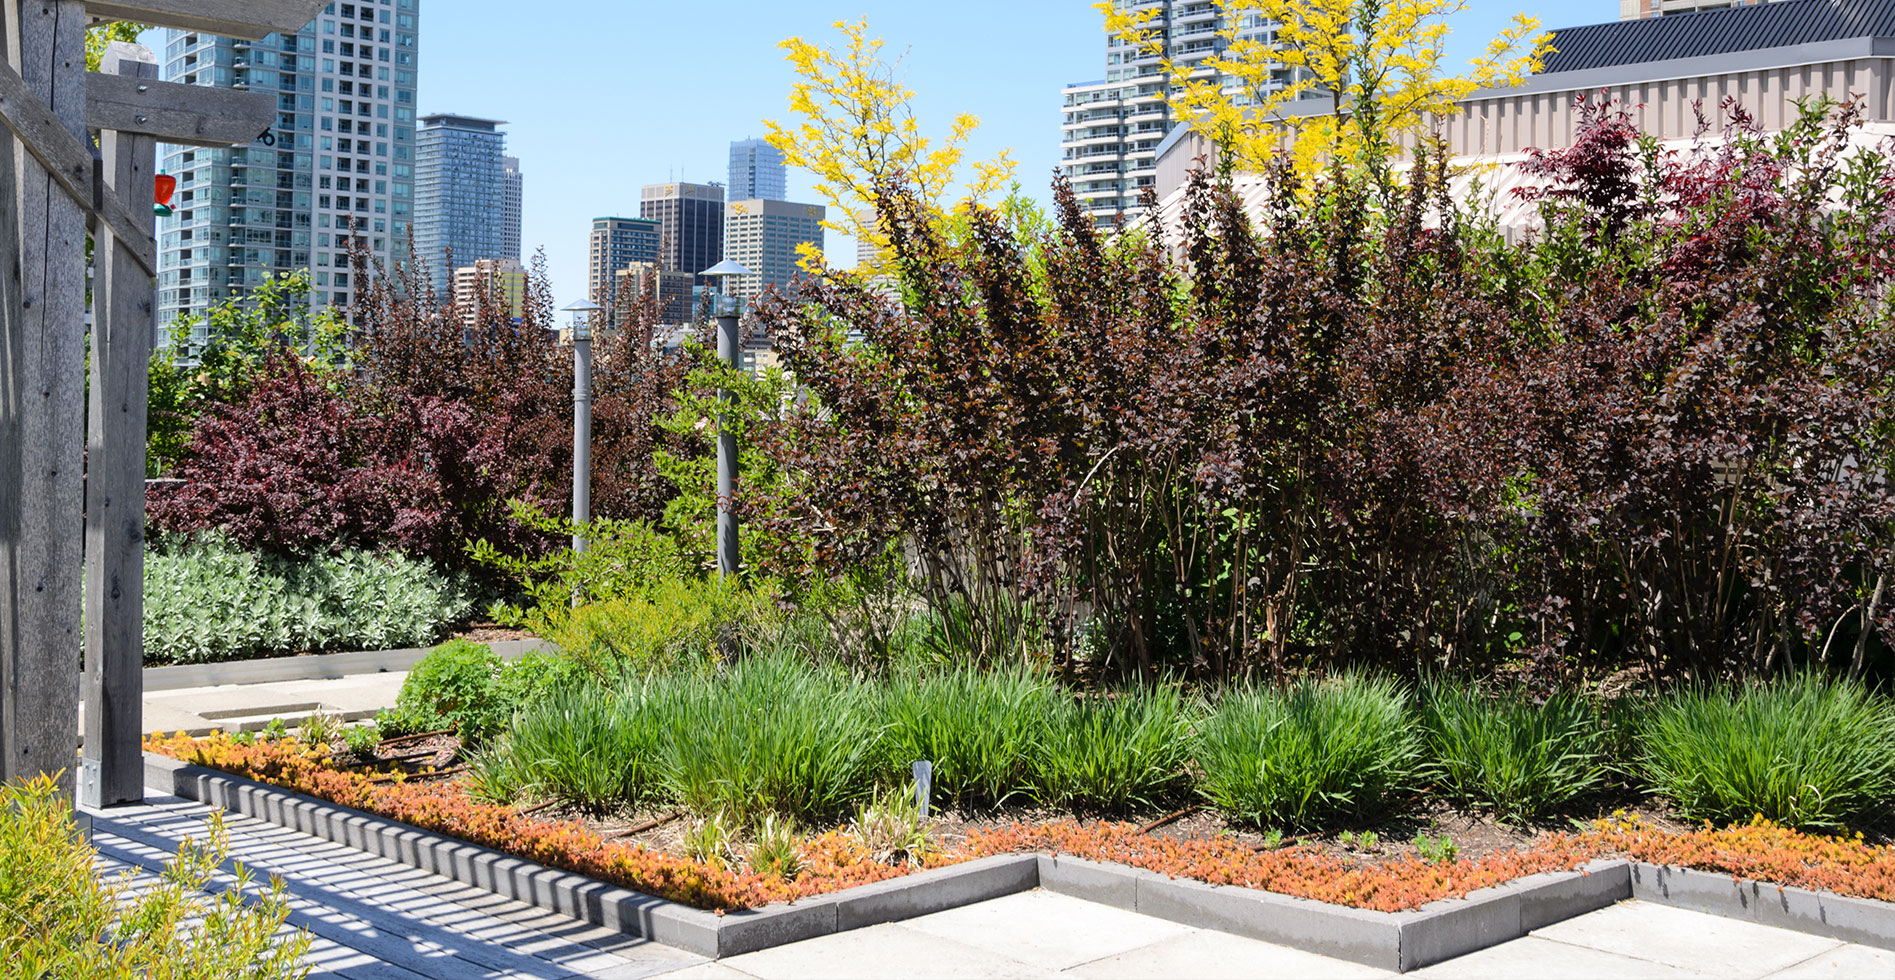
(1115, 753)
(1519, 758)
(774, 735)
(1310, 752)
(981, 729)
(1807, 752)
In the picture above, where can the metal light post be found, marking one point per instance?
(582, 417)
(730, 351)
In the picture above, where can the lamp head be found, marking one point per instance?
(728, 303)
(583, 312)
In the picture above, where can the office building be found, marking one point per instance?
(460, 194)
(514, 212)
(614, 244)
(337, 167)
(1109, 139)
(690, 224)
(672, 291)
(763, 236)
(490, 284)
(757, 172)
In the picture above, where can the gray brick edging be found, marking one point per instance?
(590, 900)
(1400, 941)
(1855, 920)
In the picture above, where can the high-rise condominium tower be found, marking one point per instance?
(614, 244)
(338, 164)
(511, 219)
(763, 236)
(690, 223)
(757, 172)
(1113, 126)
(460, 194)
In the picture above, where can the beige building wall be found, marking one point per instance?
(1662, 97)
(504, 284)
(1635, 9)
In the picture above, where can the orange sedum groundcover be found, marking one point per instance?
(837, 860)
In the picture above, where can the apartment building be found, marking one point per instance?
(337, 167)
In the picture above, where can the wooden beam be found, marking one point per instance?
(69, 160)
(42, 400)
(246, 19)
(112, 765)
(186, 115)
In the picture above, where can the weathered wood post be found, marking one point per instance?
(42, 389)
(51, 180)
(111, 768)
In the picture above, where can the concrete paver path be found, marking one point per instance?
(376, 919)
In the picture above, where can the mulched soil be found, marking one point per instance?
(492, 633)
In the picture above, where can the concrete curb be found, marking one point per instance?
(630, 912)
(1854, 920)
(1400, 941)
(324, 666)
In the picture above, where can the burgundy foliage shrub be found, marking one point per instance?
(1654, 434)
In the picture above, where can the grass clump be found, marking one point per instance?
(1314, 751)
(595, 748)
(774, 735)
(1114, 753)
(1807, 752)
(981, 729)
(1520, 759)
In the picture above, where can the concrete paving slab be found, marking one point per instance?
(1688, 940)
(1220, 956)
(893, 951)
(1545, 959)
(1854, 962)
(1047, 929)
(249, 706)
(708, 971)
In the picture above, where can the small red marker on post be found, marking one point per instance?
(165, 185)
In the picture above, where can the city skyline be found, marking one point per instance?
(587, 164)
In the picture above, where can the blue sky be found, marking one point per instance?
(604, 96)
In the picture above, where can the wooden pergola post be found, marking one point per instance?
(42, 391)
(52, 184)
(112, 770)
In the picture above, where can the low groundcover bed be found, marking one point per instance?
(836, 859)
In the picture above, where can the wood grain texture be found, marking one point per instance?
(248, 19)
(186, 115)
(42, 404)
(48, 138)
(112, 768)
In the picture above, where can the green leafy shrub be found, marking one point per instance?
(1314, 751)
(677, 623)
(208, 601)
(466, 687)
(981, 729)
(1808, 752)
(774, 735)
(622, 558)
(62, 920)
(1519, 758)
(1115, 752)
